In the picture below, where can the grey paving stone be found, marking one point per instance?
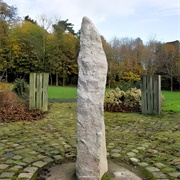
(135, 150)
(17, 157)
(175, 174)
(10, 161)
(159, 165)
(168, 169)
(28, 160)
(141, 148)
(58, 157)
(115, 151)
(25, 176)
(67, 146)
(143, 164)
(55, 144)
(41, 156)
(33, 152)
(55, 152)
(8, 155)
(111, 144)
(159, 175)
(21, 163)
(130, 145)
(146, 145)
(178, 167)
(39, 164)
(3, 166)
(134, 160)
(48, 160)
(15, 145)
(70, 155)
(7, 175)
(16, 168)
(30, 169)
(132, 154)
(152, 169)
(115, 155)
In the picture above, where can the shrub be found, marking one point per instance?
(123, 101)
(21, 89)
(125, 85)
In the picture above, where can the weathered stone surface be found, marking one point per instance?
(91, 149)
(118, 172)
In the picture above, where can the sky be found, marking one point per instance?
(147, 19)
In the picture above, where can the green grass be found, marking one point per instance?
(172, 101)
(62, 92)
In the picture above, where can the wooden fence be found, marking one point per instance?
(38, 98)
(151, 94)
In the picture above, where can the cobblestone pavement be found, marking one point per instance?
(27, 147)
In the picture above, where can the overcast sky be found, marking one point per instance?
(147, 19)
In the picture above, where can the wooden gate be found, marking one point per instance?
(38, 98)
(151, 94)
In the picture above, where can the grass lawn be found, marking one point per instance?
(172, 101)
(60, 92)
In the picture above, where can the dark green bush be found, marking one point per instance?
(21, 89)
(125, 85)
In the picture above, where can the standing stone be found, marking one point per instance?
(91, 161)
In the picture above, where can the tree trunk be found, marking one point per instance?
(171, 83)
(64, 80)
(4, 72)
(57, 79)
(6, 75)
(109, 84)
(51, 79)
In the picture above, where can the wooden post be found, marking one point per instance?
(151, 94)
(39, 91)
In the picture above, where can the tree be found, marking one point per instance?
(64, 50)
(62, 26)
(27, 37)
(171, 61)
(148, 57)
(8, 15)
(27, 18)
(113, 64)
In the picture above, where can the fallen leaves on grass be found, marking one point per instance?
(13, 109)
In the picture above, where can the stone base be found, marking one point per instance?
(66, 171)
(88, 178)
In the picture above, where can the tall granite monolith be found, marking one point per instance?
(91, 161)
